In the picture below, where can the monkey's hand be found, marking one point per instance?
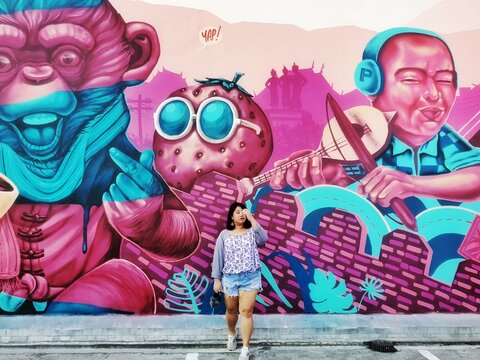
(137, 179)
(134, 201)
(134, 206)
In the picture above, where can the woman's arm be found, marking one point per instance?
(260, 234)
(218, 257)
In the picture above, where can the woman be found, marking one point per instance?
(236, 270)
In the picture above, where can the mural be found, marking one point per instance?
(117, 174)
(83, 186)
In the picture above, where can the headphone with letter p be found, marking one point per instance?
(369, 77)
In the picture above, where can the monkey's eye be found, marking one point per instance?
(6, 63)
(67, 58)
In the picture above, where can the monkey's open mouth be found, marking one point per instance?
(39, 132)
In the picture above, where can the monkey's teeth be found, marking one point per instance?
(38, 119)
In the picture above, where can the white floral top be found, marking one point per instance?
(241, 254)
(235, 254)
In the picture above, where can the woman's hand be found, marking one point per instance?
(248, 215)
(250, 218)
(217, 286)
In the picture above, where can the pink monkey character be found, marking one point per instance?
(83, 187)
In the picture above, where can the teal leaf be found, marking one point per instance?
(267, 275)
(329, 295)
(261, 301)
(184, 292)
(372, 288)
(226, 84)
(342, 288)
(319, 277)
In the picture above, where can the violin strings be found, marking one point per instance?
(267, 176)
(258, 180)
(330, 127)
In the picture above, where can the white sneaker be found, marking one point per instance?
(245, 354)
(232, 341)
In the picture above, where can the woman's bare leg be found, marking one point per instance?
(246, 304)
(231, 302)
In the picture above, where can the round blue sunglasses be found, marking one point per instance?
(216, 119)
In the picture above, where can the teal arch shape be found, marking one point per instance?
(432, 222)
(443, 220)
(473, 206)
(331, 196)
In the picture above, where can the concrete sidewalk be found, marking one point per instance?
(209, 330)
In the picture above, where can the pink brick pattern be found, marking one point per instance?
(402, 267)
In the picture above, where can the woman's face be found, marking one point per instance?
(238, 216)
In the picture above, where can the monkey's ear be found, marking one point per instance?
(145, 50)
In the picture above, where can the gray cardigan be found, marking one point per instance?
(219, 253)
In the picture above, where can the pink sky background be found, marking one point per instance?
(256, 48)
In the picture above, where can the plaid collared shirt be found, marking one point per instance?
(446, 152)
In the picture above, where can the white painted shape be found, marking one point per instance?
(428, 355)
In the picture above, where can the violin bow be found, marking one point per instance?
(366, 159)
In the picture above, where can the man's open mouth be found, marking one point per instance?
(432, 113)
(39, 132)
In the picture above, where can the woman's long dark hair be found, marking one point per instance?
(230, 224)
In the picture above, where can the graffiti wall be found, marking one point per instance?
(128, 128)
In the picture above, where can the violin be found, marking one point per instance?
(369, 123)
(354, 136)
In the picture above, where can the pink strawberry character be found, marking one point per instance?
(214, 126)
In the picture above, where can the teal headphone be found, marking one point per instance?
(368, 75)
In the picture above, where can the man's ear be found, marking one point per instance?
(145, 49)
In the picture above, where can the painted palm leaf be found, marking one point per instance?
(329, 295)
(184, 292)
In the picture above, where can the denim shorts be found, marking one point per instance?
(246, 281)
